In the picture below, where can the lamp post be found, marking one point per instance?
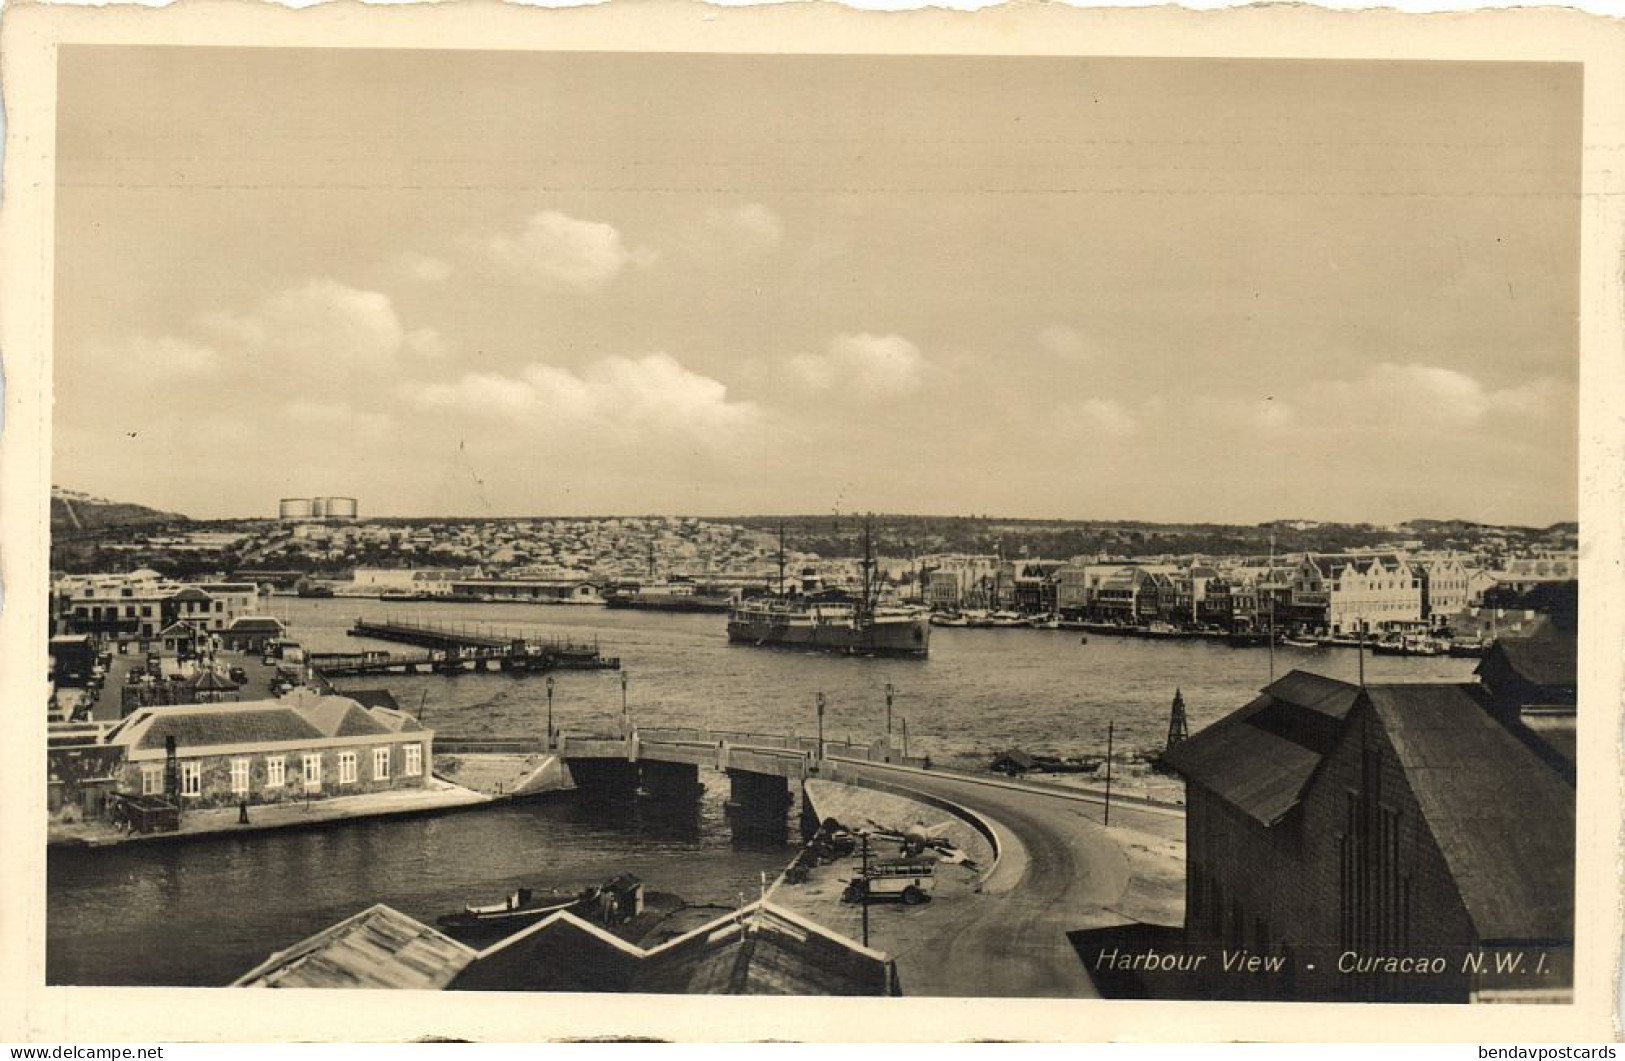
(626, 718)
(819, 700)
(905, 737)
(891, 690)
(550, 712)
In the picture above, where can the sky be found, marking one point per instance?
(520, 283)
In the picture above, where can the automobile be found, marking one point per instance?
(239, 675)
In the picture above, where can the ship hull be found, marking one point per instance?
(911, 638)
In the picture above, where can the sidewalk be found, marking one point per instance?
(435, 796)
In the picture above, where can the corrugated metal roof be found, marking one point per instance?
(379, 947)
(1546, 657)
(1314, 692)
(1257, 772)
(1503, 820)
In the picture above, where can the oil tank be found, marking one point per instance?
(318, 507)
(294, 508)
(341, 507)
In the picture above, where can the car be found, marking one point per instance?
(239, 676)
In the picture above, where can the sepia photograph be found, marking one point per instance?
(925, 526)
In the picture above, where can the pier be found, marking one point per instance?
(450, 650)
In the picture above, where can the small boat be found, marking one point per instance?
(1044, 622)
(949, 620)
(1466, 648)
(520, 908)
(1005, 620)
(1299, 642)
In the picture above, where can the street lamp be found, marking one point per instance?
(626, 719)
(819, 700)
(550, 712)
(891, 690)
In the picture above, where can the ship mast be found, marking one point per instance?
(781, 557)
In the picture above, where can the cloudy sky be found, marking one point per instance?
(511, 284)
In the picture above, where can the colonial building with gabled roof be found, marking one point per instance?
(1340, 826)
(302, 746)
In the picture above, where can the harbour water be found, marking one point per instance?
(200, 914)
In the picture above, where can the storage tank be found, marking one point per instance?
(341, 508)
(294, 508)
(318, 507)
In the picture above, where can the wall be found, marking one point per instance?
(217, 791)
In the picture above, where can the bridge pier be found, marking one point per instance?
(758, 804)
(671, 781)
(605, 776)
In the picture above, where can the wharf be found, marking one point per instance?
(436, 796)
(450, 650)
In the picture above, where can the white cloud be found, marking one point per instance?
(629, 398)
(321, 326)
(1098, 416)
(421, 268)
(755, 225)
(1418, 395)
(864, 365)
(556, 249)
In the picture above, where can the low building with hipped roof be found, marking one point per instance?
(303, 746)
(759, 949)
(1391, 842)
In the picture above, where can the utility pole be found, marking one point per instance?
(905, 738)
(819, 700)
(863, 891)
(891, 691)
(1108, 818)
(1362, 653)
(549, 712)
(626, 718)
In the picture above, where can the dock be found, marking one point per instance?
(452, 650)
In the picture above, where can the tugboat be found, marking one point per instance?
(522, 907)
(830, 620)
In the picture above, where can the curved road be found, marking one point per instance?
(1059, 871)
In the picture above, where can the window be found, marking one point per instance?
(192, 778)
(346, 768)
(313, 772)
(152, 780)
(275, 771)
(380, 764)
(414, 760)
(239, 777)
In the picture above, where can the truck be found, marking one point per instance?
(910, 881)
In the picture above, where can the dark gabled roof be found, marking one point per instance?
(373, 698)
(225, 725)
(1546, 657)
(1314, 692)
(256, 624)
(1254, 770)
(1016, 757)
(1501, 817)
(338, 716)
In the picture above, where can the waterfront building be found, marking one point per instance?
(1527, 573)
(130, 611)
(1445, 587)
(1533, 683)
(540, 590)
(1347, 593)
(252, 633)
(1326, 819)
(302, 746)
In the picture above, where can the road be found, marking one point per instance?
(1059, 871)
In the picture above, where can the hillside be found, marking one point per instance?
(72, 511)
